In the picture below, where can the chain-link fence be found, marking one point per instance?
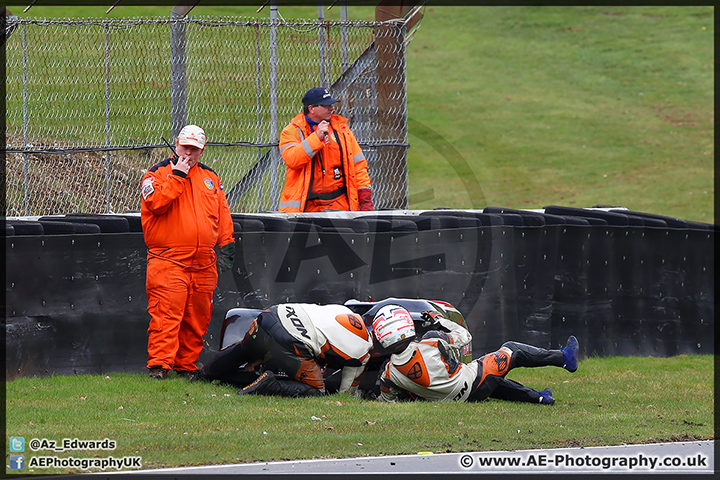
(92, 103)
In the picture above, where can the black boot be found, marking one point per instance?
(225, 365)
(260, 385)
(268, 384)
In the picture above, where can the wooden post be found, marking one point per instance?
(391, 169)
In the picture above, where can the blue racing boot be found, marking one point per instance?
(546, 397)
(570, 361)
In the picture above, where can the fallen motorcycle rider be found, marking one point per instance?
(425, 370)
(246, 352)
(279, 340)
(298, 337)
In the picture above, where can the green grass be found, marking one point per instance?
(567, 105)
(609, 401)
(525, 107)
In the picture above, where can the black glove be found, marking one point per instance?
(431, 319)
(225, 257)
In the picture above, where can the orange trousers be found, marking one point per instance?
(180, 307)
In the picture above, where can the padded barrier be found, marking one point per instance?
(25, 227)
(247, 224)
(625, 283)
(133, 220)
(55, 227)
(106, 223)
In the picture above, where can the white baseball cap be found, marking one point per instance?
(192, 135)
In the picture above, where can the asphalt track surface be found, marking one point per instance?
(677, 458)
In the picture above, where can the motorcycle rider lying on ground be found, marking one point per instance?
(425, 369)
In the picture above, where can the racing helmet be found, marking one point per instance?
(392, 326)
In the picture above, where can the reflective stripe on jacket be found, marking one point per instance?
(299, 144)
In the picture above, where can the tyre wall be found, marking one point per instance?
(625, 283)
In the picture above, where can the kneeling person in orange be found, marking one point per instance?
(185, 215)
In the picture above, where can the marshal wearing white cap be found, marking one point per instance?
(192, 135)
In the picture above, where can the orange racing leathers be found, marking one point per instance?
(300, 337)
(322, 174)
(426, 370)
(332, 333)
(183, 219)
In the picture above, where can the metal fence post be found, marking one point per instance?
(322, 46)
(26, 157)
(344, 95)
(107, 117)
(258, 106)
(344, 59)
(275, 163)
(178, 73)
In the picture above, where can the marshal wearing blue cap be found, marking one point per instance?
(318, 96)
(326, 168)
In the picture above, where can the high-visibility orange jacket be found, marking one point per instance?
(301, 148)
(184, 218)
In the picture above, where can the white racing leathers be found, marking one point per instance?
(428, 370)
(332, 332)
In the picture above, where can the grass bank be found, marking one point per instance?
(572, 106)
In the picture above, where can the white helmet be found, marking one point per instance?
(393, 325)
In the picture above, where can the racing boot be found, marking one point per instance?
(545, 397)
(264, 383)
(570, 361)
(268, 384)
(224, 364)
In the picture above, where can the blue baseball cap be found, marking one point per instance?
(318, 96)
